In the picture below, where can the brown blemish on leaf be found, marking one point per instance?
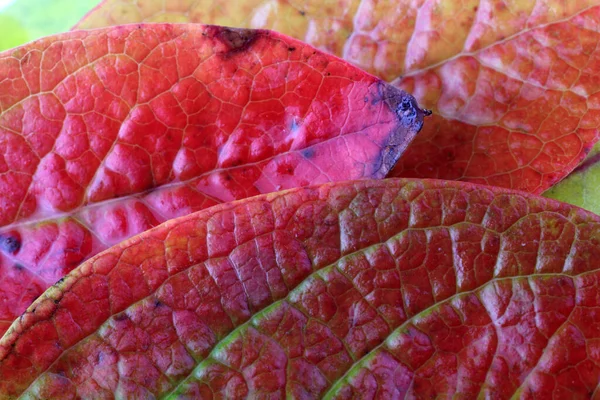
(121, 317)
(236, 40)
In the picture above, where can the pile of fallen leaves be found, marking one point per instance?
(197, 211)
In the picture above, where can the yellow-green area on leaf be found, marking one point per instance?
(26, 20)
(12, 32)
(582, 186)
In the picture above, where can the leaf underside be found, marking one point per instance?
(348, 290)
(105, 134)
(512, 84)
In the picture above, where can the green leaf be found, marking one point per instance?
(26, 20)
(581, 186)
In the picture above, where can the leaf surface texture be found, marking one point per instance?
(106, 134)
(512, 84)
(383, 288)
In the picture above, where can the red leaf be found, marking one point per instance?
(105, 134)
(370, 288)
(513, 84)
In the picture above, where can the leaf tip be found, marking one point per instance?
(410, 118)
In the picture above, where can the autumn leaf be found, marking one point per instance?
(393, 287)
(106, 134)
(512, 84)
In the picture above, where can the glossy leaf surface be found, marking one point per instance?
(387, 288)
(512, 83)
(105, 134)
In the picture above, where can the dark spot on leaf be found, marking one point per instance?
(285, 169)
(236, 40)
(303, 13)
(121, 317)
(56, 301)
(10, 242)
(158, 303)
(406, 107)
(308, 153)
(407, 110)
(291, 48)
(18, 267)
(61, 280)
(366, 99)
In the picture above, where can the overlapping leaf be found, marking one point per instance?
(387, 288)
(512, 83)
(105, 134)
